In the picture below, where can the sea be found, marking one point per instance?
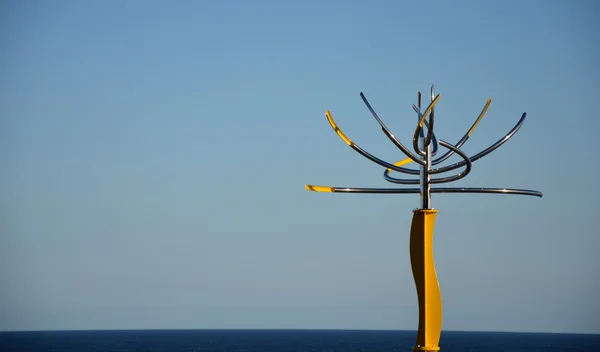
(285, 341)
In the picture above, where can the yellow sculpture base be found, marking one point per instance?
(426, 282)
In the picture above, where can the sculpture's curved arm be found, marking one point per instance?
(420, 127)
(465, 172)
(486, 151)
(427, 139)
(405, 170)
(430, 126)
(435, 142)
(436, 180)
(474, 157)
(462, 141)
(459, 144)
(359, 149)
(525, 192)
(389, 134)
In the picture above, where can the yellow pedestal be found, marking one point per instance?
(426, 282)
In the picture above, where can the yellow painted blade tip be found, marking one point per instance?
(401, 163)
(318, 188)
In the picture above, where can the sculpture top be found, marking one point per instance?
(425, 145)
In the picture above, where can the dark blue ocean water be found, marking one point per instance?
(284, 341)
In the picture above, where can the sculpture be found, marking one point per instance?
(425, 145)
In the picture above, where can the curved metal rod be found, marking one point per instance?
(435, 142)
(419, 115)
(525, 192)
(435, 180)
(376, 159)
(462, 141)
(430, 135)
(389, 134)
(486, 151)
(476, 156)
(460, 175)
(420, 127)
(359, 149)
(427, 141)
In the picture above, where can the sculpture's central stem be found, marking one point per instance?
(425, 176)
(421, 252)
(424, 150)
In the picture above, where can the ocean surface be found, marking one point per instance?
(285, 341)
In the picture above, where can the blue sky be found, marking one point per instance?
(154, 157)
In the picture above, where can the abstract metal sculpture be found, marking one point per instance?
(425, 145)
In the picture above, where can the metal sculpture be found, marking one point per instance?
(425, 145)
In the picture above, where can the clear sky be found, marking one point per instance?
(154, 156)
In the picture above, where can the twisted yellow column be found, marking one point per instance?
(428, 288)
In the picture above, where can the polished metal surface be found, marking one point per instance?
(386, 173)
(389, 134)
(464, 139)
(426, 180)
(377, 160)
(420, 147)
(434, 140)
(487, 150)
(425, 145)
(419, 130)
(524, 192)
